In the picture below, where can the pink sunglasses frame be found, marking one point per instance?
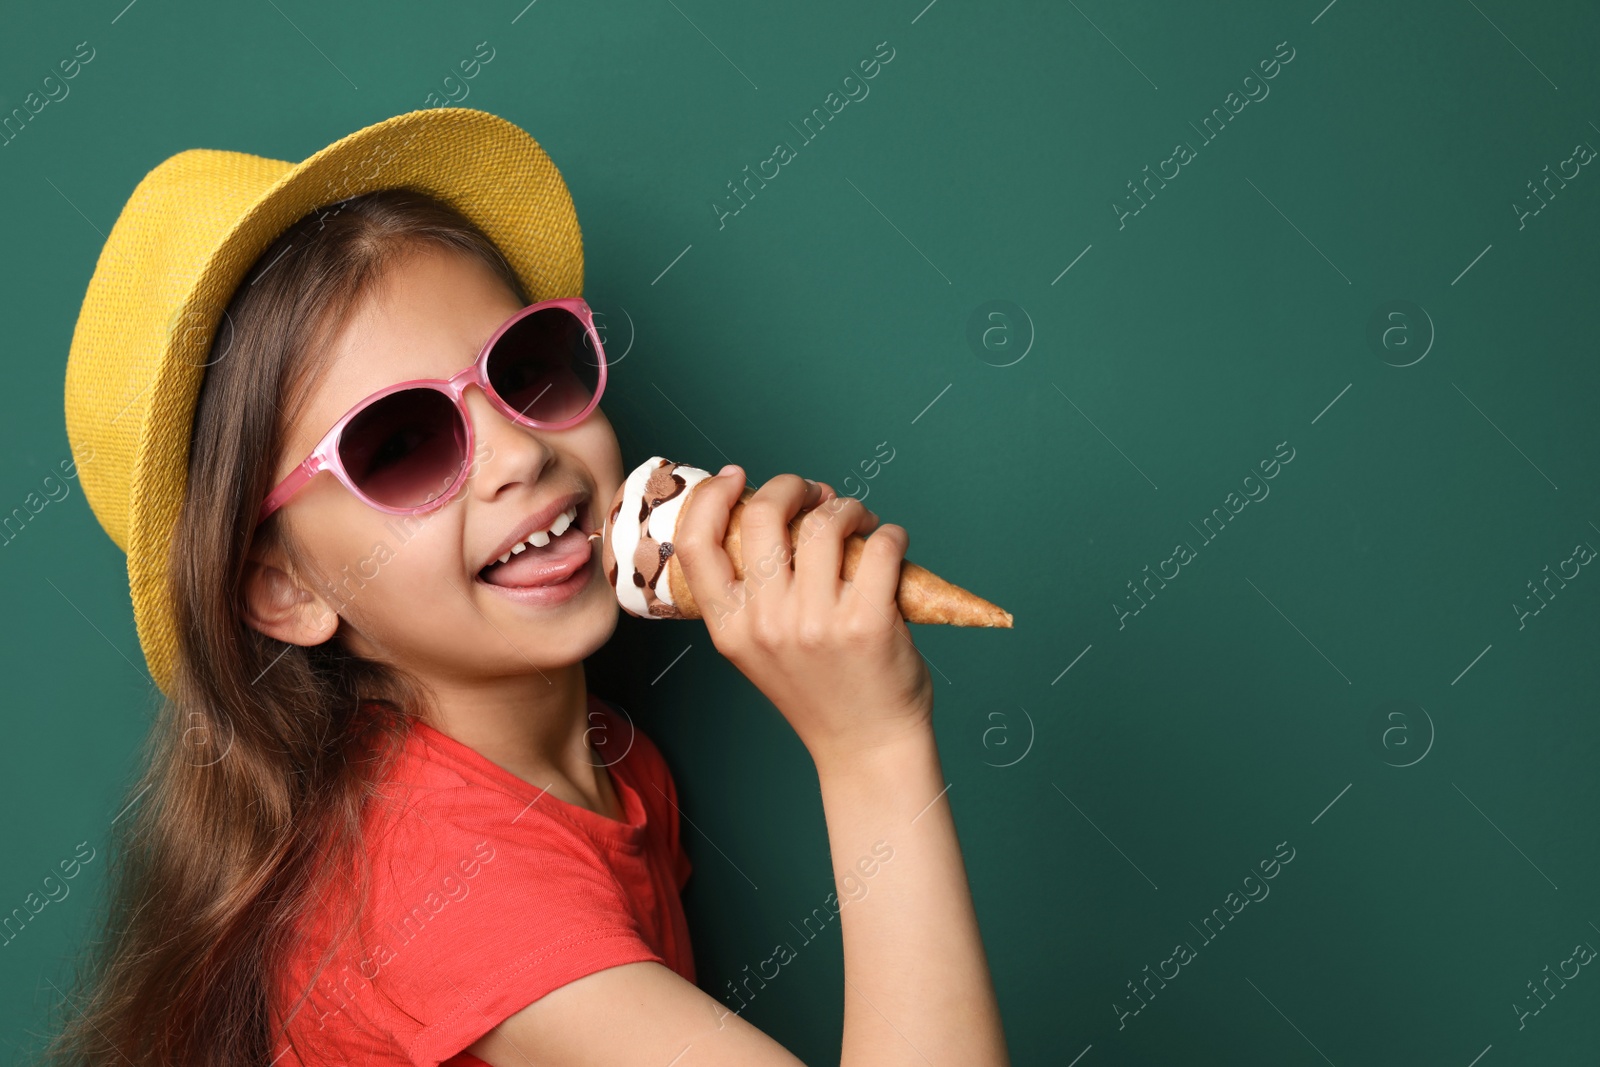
(325, 457)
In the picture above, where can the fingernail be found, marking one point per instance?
(729, 469)
(812, 484)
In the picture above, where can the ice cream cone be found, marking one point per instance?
(653, 586)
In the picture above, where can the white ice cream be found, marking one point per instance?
(660, 525)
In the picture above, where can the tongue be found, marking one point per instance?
(553, 563)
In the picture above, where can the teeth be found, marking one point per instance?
(540, 538)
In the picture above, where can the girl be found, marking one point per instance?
(411, 834)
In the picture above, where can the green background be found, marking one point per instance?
(1360, 617)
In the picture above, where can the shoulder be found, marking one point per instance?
(644, 769)
(626, 749)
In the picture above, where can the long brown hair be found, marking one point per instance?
(258, 765)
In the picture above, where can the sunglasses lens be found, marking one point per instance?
(405, 449)
(545, 366)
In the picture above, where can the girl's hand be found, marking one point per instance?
(835, 658)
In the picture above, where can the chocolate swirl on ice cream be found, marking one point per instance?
(638, 544)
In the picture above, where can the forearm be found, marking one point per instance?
(917, 985)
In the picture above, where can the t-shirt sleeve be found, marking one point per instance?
(661, 796)
(493, 922)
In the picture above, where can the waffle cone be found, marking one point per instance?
(922, 596)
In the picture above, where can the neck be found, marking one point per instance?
(536, 727)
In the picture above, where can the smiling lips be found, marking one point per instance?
(540, 538)
(564, 550)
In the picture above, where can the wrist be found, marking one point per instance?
(885, 750)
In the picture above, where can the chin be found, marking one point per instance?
(606, 618)
(587, 631)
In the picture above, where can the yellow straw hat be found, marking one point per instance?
(187, 236)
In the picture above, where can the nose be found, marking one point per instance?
(509, 454)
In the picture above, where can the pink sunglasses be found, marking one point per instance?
(404, 449)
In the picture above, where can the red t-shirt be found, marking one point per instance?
(486, 894)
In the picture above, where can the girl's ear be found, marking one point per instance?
(282, 608)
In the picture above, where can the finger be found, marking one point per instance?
(764, 529)
(702, 525)
(877, 576)
(869, 524)
(819, 548)
(825, 493)
(815, 498)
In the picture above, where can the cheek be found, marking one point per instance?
(604, 459)
(598, 447)
(393, 563)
